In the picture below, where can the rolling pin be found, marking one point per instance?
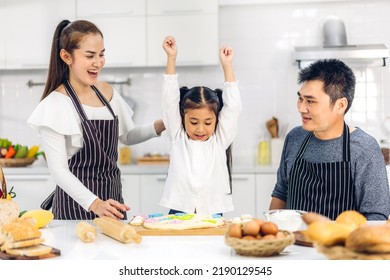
(118, 230)
(86, 232)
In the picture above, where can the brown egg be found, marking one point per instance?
(235, 231)
(251, 228)
(249, 237)
(258, 237)
(280, 235)
(269, 228)
(268, 237)
(259, 221)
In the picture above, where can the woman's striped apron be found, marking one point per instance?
(326, 188)
(95, 164)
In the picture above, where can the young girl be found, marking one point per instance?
(80, 120)
(201, 128)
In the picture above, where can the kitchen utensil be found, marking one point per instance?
(286, 219)
(3, 193)
(153, 160)
(301, 239)
(54, 253)
(273, 127)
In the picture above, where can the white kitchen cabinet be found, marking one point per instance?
(243, 195)
(29, 28)
(265, 184)
(123, 26)
(31, 190)
(151, 190)
(2, 34)
(131, 193)
(187, 21)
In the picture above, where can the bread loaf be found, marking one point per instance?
(9, 211)
(21, 237)
(370, 239)
(20, 230)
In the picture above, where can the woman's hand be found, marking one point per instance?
(109, 208)
(169, 46)
(159, 126)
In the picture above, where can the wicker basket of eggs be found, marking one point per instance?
(258, 238)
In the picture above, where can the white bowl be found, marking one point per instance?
(286, 219)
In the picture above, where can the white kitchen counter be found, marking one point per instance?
(61, 235)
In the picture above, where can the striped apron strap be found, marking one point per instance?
(326, 188)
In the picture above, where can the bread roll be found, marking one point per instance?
(370, 239)
(351, 218)
(312, 217)
(327, 233)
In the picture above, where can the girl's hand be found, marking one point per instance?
(226, 55)
(109, 208)
(169, 46)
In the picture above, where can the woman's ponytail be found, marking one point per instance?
(58, 70)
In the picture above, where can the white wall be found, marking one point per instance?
(263, 36)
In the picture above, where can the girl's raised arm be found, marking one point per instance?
(169, 46)
(226, 57)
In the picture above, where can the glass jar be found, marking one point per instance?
(124, 155)
(263, 153)
(385, 148)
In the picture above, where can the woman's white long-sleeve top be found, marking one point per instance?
(198, 177)
(59, 126)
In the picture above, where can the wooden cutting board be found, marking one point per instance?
(201, 231)
(54, 253)
(152, 160)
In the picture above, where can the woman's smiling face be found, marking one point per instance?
(88, 60)
(200, 123)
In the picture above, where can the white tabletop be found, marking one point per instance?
(62, 235)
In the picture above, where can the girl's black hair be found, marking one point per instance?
(198, 97)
